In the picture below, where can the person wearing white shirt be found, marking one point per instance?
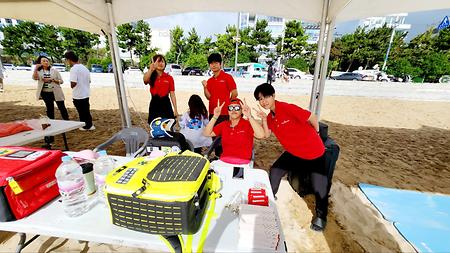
(80, 79)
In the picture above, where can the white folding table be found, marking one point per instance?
(56, 127)
(96, 226)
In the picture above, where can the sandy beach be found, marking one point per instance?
(393, 143)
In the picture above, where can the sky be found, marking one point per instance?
(420, 22)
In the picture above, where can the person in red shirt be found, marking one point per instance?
(237, 133)
(221, 86)
(161, 87)
(297, 131)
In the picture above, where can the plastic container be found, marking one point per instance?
(102, 166)
(71, 184)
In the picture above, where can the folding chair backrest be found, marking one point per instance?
(135, 139)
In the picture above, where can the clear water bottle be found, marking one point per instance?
(102, 166)
(69, 176)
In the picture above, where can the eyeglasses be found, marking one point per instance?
(234, 107)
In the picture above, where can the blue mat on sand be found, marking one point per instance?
(422, 218)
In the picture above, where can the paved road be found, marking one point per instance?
(408, 91)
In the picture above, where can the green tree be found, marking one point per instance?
(21, 41)
(261, 36)
(193, 45)
(177, 46)
(197, 60)
(128, 38)
(435, 65)
(79, 41)
(144, 41)
(207, 46)
(51, 42)
(294, 39)
(298, 63)
(225, 44)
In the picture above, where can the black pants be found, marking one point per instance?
(49, 99)
(84, 112)
(218, 150)
(288, 162)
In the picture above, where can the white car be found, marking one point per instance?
(298, 74)
(8, 66)
(132, 71)
(59, 66)
(173, 69)
(23, 67)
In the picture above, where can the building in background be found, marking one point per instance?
(393, 20)
(6, 22)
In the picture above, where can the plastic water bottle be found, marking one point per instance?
(69, 176)
(102, 166)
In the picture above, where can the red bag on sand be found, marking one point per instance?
(27, 180)
(11, 128)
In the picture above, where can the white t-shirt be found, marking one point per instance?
(192, 129)
(81, 75)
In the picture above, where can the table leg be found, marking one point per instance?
(23, 242)
(65, 142)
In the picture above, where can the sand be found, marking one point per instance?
(392, 143)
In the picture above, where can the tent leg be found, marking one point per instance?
(324, 69)
(319, 53)
(116, 80)
(118, 69)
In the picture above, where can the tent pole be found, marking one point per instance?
(118, 70)
(324, 69)
(116, 78)
(313, 98)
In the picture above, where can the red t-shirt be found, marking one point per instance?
(163, 85)
(220, 87)
(290, 125)
(237, 141)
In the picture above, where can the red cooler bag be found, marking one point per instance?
(27, 180)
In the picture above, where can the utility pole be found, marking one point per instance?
(237, 39)
(390, 43)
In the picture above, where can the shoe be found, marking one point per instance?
(92, 128)
(318, 224)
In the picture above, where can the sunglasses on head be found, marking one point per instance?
(234, 107)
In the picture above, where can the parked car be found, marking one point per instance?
(59, 66)
(192, 71)
(349, 76)
(96, 68)
(251, 70)
(298, 74)
(132, 71)
(23, 67)
(173, 69)
(8, 66)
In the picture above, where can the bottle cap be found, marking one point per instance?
(66, 158)
(102, 153)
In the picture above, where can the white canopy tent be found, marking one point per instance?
(102, 16)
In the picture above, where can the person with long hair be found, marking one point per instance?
(49, 87)
(162, 88)
(193, 122)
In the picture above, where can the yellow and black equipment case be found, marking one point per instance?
(166, 196)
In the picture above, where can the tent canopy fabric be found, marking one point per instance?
(92, 15)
